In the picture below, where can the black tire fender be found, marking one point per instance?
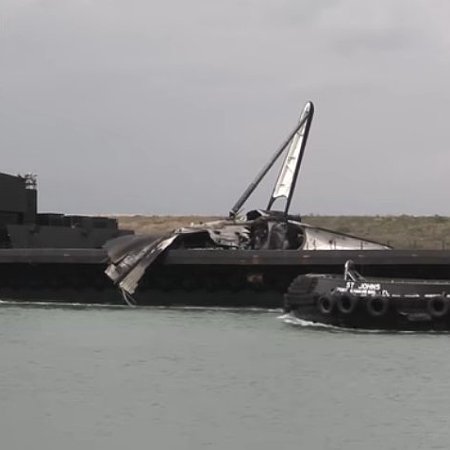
(438, 306)
(377, 306)
(346, 302)
(326, 304)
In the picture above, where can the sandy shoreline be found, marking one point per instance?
(427, 232)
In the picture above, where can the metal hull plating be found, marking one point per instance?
(228, 278)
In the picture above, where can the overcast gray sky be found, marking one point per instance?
(143, 106)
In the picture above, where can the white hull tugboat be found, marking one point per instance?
(352, 301)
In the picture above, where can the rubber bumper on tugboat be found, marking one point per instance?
(346, 302)
(377, 306)
(326, 304)
(438, 306)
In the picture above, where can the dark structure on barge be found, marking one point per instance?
(21, 226)
(245, 260)
(49, 256)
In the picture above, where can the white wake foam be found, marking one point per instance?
(296, 321)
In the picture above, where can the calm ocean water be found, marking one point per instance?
(115, 378)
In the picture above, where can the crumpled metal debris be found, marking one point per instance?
(130, 256)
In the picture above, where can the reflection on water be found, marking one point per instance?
(78, 376)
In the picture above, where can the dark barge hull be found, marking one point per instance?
(226, 278)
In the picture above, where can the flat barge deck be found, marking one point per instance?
(373, 258)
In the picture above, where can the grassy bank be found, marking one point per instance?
(407, 232)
